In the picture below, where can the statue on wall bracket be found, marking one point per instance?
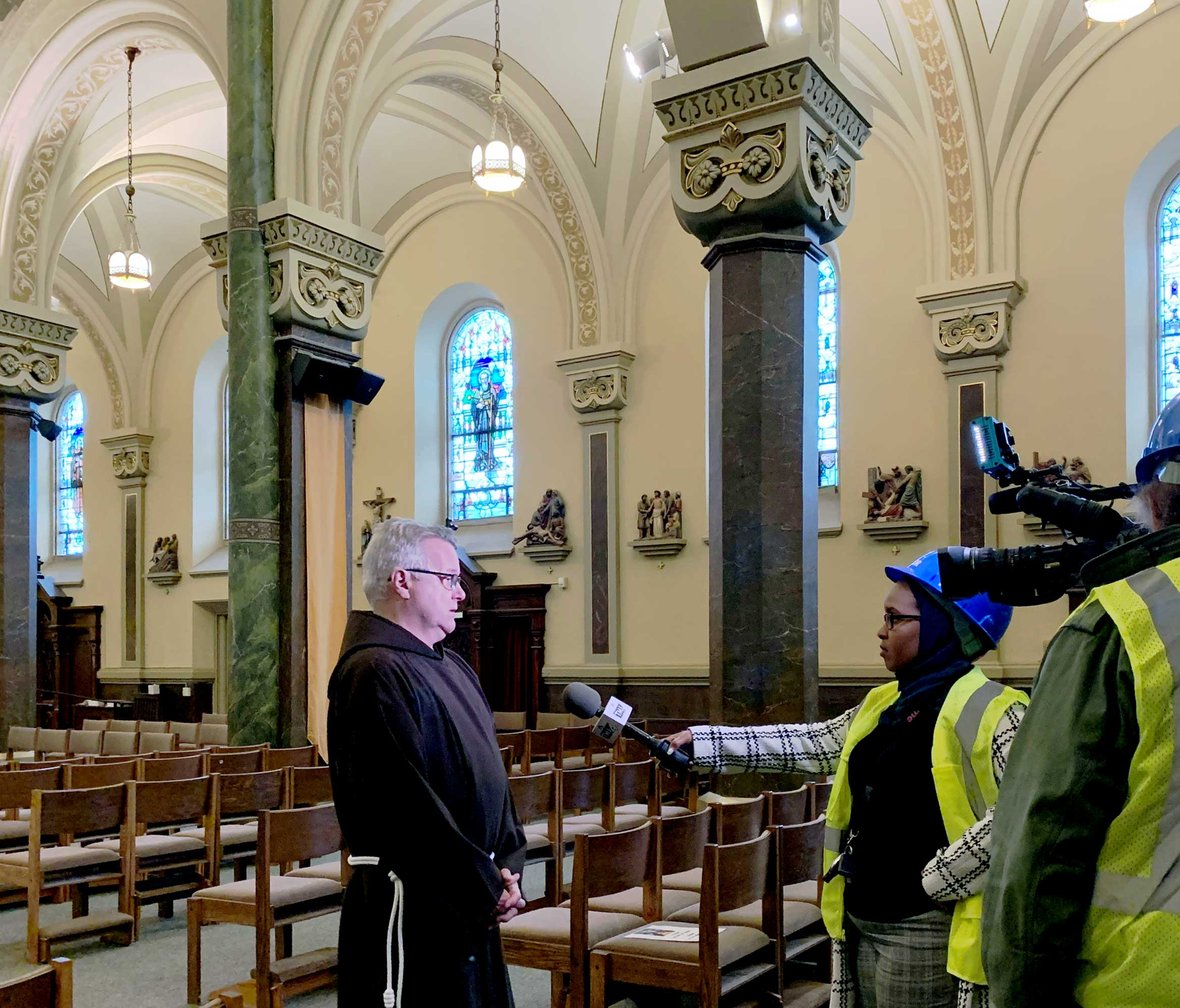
(894, 499)
(659, 524)
(544, 537)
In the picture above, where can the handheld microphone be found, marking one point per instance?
(584, 702)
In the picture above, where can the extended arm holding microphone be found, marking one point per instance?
(584, 702)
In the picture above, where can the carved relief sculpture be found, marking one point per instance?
(165, 555)
(659, 524)
(894, 494)
(547, 526)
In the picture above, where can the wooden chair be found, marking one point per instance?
(186, 733)
(308, 786)
(163, 867)
(21, 739)
(238, 799)
(153, 726)
(575, 746)
(269, 902)
(112, 758)
(506, 758)
(235, 761)
(509, 720)
(92, 775)
(120, 743)
(537, 802)
(52, 743)
(559, 939)
(16, 798)
(739, 819)
(210, 733)
(96, 724)
(123, 726)
(630, 796)
(157, 742)
(87, 742)
(821, 792)
(210, 718)
(582, 793)
(801, 860)
(726, 957)
(515, 741)
(51, 986)
(276, 759)
(548, 720)
(65, 815)
(182, 767)
(787, 808)
(542, 750)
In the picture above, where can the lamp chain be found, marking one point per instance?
(497, 63)
(132, 52)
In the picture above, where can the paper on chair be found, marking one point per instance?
(669, 932)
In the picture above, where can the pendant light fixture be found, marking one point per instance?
(1112, 11)
(500, 166)
(128, 267)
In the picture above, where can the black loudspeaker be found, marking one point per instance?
(311, 375)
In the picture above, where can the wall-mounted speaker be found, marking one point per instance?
(312, 375)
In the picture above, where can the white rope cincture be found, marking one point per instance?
(393, 995)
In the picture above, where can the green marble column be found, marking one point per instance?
(254, 603)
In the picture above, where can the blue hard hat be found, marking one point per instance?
(1162, 443)
(988, 617)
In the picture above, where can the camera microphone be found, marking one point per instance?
(584, 702)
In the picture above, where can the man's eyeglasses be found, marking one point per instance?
(893, 618)
(450, 581)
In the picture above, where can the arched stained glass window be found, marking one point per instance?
(829, 456)
(67, 476)
(480, 406)
(1169, 295)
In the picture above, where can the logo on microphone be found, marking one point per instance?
(610, 725)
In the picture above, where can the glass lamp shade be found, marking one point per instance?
(494, 169)
(1115, 10)
(130, 269)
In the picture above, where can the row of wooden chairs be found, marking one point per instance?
(170, 839)
(189, 733)
(544, 748)
(50, 986)
(630, 879)
(213, 759)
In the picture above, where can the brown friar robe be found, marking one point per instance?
(419, 783)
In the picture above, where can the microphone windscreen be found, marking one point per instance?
(580, 699)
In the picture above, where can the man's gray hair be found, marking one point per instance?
(396, 542)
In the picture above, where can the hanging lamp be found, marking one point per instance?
(498, 167)
(128, 267)
(1111, 11)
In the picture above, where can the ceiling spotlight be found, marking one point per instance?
(1112, 11)
(656, 53)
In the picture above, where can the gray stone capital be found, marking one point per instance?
(974, 319)
(321, 268)
(764, 141)
(130, 455)
(598, 380)
(33, 346)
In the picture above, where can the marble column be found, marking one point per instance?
(598, 386)
(254, 608)
(32, 370)
(762, 149)
(971, 326)
(131, 462)
(321, 272)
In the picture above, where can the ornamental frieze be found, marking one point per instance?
(714, 168)
(130, 455)
(598, 381)
(970, 333)
(32, 348)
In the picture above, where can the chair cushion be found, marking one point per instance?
(552, 924)
(284, 890)
(690, 880)
(12, 830)
(796, 916)
(622, 822)
(232, 834)
(804, 892)
(536, 842)
(631, 901)
(666, 811)
(156, 846)
(60, 858)
(324, 870)
(733, 943)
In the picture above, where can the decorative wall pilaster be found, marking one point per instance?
(33, 346)
(971, 330)
(598, 383)
(131, 461)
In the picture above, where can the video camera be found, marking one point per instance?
(1032, 575)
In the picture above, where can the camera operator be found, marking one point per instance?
(1082, 903)
(917, 766)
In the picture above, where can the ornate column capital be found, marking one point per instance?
(764, 141)
(598, 380)
(321, 268)
(33, 346)
(975, 319)
(130, 457)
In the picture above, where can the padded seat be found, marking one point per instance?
(58, 859)
(284, 890)
(13, 831)
(156, 848)
(570, 824)
(631, 901)
(232, 834)
(325, 870)
(552, 924)
(733, 943)
(690, 880)
(666, 811)
(796, 916)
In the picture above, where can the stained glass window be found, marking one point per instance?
(67, 471)
(829, 456)
(1169, 295)
(225, 459)
(480, 406)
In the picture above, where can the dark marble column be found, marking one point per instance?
(18, 567)
(254, 605)
(763, 530)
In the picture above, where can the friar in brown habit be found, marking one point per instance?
(421, 791)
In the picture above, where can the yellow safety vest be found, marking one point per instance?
(964, 783)
(1132, 931)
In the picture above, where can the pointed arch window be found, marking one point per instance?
(829, 338)
(481, 403)
(67, 476)
(1168, 270)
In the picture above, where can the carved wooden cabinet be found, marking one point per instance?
(69, 654)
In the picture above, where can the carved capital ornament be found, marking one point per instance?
(130, 454)
(598, 381)
(32, 351)
(972, 320)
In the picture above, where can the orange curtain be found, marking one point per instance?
(327, 554)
